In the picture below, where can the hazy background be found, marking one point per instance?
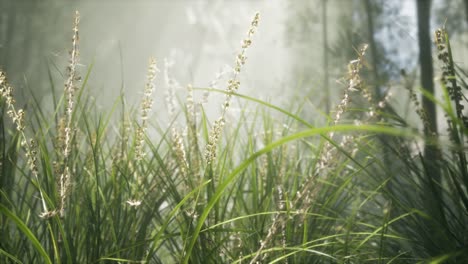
(199, 39)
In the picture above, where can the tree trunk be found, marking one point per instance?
(425, 60)
(325, 56)
(432, 156)
(466, 10)
(373, 49)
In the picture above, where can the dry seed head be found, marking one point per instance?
(282, 207)
(215, 134)
(48, 214)
(308, 189)
(65, 129)
(134, 203)
(179, 150)
(233, 86)
(147, 101)
(171, 84)
(31, 154)
(419, 109)
(354, 83)
(60, 139)
(190, 103)
(190, 107)
(146, 106)
(6, 91)
(65, 184)
(448, 77)
(385, 100)
(233, 83)
(70, 86)
(139, 137)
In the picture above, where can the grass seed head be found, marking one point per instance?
(232, 87)
(146, 106)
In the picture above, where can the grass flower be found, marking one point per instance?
(146, 106)
(233, 86)
(326, 162)
(66, 127)
(18, 118)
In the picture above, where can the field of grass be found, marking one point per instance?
(82, 186)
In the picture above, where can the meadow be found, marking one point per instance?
(81, 185)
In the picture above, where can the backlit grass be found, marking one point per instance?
(82, 186)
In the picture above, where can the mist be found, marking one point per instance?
(196, 43)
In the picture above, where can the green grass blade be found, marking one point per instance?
(26, 231)
(303, 134)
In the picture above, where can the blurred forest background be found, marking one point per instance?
(303, 47)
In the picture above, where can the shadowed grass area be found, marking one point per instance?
(82, 186)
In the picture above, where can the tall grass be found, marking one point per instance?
(266, 187)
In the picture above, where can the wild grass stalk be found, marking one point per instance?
(66, 126)
(140, 134)
(233, 86)
(18, 119)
